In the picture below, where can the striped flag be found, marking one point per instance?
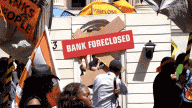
(40, 55)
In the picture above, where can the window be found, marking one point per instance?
(78, 3)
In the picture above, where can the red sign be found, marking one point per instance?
(97, 44)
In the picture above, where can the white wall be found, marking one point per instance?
(140, 72)
(180, 39)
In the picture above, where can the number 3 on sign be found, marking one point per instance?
(54, 44)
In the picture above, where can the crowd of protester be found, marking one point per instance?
(167, 89)
(172, 86)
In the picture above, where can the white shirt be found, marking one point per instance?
(103, 90)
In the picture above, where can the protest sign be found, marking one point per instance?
(21, 13)
(97, 44)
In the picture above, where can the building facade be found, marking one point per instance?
(79, 4)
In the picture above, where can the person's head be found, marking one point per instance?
(168, 65)
(20, 67)
(180, 58)
(82, 68)
(94, 58)
(41, 78)
(40, 83)
(72, 92)
(115, 66)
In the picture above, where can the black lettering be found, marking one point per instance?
(18, 18)
(55, 44)
(27, 28)
(4, 11)
(34, 1)
(24, 15)
(18, 3)
(31, 12)
(22, 24)
(23, 6)
(10, 1)
(10, 17)
(15, 2)
(26, 8)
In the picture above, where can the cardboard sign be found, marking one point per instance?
(114, 26)
(21, 13)
(89, 77)
(98, 44)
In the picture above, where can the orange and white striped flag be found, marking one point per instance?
(41, 55)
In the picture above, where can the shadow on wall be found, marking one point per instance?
(142, 67)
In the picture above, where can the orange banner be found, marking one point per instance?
(21, 13)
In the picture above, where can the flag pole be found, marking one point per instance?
(52, 56)
(182, 77)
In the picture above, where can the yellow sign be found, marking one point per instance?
(124, 6)
(175, 48)
(98, 8)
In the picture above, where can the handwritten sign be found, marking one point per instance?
(21, 13)
(98, 44)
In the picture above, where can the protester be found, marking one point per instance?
(37, 86)
(3, 70)
(179, 63)
(96, 64)
(103, 87)
(20, 68)
(187, 90)
(83, 68)
(72, 93)
(166, 91)
(17, 72)
(77, 103)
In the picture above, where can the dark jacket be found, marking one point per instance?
(165, 91)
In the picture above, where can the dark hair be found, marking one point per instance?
(93, 56)
(3, 65)
(82, 68)
(66, 99)
(38, 86)
(180, 58)
(115, 65)
(20, 68)
(167, 64)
